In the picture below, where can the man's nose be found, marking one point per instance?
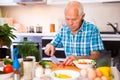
(70, 22)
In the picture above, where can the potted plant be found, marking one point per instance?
(6, 36)
(27, 48)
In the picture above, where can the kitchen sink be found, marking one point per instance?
(109, 33)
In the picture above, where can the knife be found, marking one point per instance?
(54, 60)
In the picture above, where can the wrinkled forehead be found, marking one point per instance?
(72, 11)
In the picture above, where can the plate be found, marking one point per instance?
(71, 75)
(84, 63)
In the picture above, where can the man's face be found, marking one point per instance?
(73, 19)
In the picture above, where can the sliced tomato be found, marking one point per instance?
(61, 65)
(8, 68)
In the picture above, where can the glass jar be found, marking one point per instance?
(28, 69)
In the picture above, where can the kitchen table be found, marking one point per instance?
(115, 72)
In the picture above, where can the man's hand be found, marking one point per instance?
(49, 50)
(69, 60)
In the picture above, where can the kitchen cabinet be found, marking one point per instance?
(7, 3)
(112, 1)
(57, 1)
(82, 1)
(66, 1)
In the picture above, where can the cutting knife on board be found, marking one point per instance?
(54, 60)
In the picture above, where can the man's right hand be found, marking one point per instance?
(49, 50)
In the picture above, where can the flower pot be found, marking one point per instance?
(3, 52)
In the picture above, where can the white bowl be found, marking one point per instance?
(84, 63)
(5, 76)
(72, 73)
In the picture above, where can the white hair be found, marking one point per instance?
(77, 5)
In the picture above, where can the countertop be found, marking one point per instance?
(115, 72)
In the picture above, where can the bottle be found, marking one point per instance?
(16, 74)
(16, 66)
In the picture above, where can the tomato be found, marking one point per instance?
(8, 68)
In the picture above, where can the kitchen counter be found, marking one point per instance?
(105, 37)
(110, 37)
(116, 73)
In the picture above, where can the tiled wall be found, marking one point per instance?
(44, 15)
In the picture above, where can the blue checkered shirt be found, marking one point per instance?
(86, 40)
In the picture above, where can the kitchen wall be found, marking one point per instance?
(44, 15)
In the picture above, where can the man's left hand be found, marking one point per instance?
(69, 60)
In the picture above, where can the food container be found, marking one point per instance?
(28, 66)
(52, 27)
(84, 63)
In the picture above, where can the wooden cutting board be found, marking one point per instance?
(56, 67)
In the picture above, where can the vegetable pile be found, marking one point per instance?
(101, 72)
(7, 68)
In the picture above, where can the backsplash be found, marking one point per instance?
(44, 15)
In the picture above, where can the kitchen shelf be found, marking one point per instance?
(105, 37)
(8, 4)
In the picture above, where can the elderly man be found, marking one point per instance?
(80, 39)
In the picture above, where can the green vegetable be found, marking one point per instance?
(93, 62)
(102, 62)
(7, 61)
(1, 72)
(44, 63)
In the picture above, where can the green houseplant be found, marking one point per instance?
(27, 48)
(6, 35)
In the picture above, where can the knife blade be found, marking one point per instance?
(54, 60)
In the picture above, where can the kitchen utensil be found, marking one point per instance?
(54, 60)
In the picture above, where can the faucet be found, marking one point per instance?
(115, 26)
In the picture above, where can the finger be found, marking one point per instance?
(47, 51)
(69, 62)
(65, 61)
(51, 53)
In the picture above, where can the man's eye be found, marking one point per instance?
(74, 19)
(67, 19)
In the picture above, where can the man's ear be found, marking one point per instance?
(83, 16)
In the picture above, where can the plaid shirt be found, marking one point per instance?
(86, 40)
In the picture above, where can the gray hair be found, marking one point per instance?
(77, 5)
